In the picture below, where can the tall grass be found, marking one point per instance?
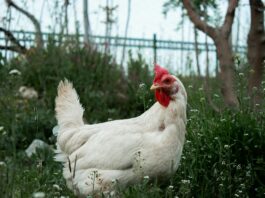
(223, 155)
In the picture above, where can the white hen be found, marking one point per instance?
(123, 150)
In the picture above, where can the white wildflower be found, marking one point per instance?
(202, 99)
(190, 86)
(2, 163)
(185, 181)
(216, 95)
(236, 195)
(146, 177)
(56, 186)
(241, 74)
(142, 85)
(245, 134)
(226, 146)
(15, 72)
(200, 89)
(28, 92)
(38, 195)
(170, 187)
(242, 185)
(1, 128)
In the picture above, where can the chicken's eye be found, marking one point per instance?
(167, 81)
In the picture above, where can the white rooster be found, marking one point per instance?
(122, 150)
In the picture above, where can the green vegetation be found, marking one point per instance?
(223, 154)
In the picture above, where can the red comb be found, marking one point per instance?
(159, 72)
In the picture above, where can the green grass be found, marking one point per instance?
(223, 155)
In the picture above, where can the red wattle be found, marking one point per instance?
(162, 98)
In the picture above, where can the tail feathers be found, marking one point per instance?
(69, 112)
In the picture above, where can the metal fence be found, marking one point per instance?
(27, 38)
(154, 46)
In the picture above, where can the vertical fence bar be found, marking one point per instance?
(155, 48)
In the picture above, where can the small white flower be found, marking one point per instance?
(226, 146)
(245, 134)
(2, 163)
(202, 99)
(216, 95)
(241, 74)
(200, 89)
(1, 128)
(188, 141)
(15, 72)
(146, 177)
(38, 195)
(242, 185)
(141, 85)
(185, 181)
(236, 195)
(56, 186)
(170, 187)
(190, 86)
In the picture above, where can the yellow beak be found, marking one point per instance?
(153, 87)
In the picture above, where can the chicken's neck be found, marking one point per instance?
(159, 115)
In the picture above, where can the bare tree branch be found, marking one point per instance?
(38, 38)
(17, 47)
(12, 48)
(198, 22)
(229, 18)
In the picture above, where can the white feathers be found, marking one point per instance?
(123, 150)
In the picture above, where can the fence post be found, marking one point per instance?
(154, 47)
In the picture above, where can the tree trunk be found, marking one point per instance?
(38, 37)
(220, 36)
(66, 4)
(256, 49)
(197, 52)
(86, 22)
(227, 72)
(126, 31)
